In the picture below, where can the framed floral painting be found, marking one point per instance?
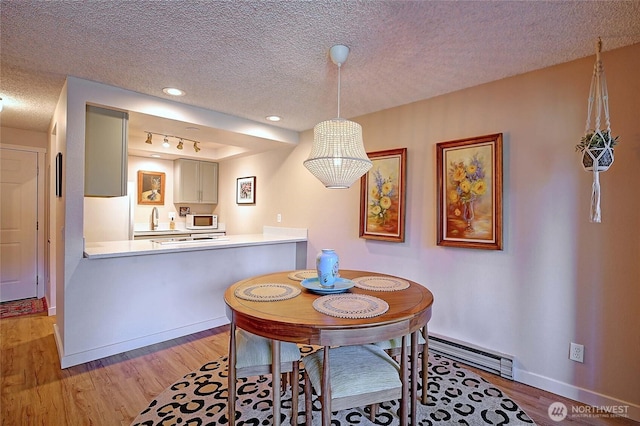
(382, 196)
(469, 180)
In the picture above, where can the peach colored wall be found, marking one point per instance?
(9, 135)
(559, 279)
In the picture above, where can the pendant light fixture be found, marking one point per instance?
(337, 156)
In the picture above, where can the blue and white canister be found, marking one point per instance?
(327, 266)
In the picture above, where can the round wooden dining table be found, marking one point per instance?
(296, 320)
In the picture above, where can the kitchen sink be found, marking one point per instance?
(189, 240)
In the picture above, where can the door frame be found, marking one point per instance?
(43, 226)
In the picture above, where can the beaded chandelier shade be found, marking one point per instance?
(337, 157)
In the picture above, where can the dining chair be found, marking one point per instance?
(393, 347)
(252, 356)
(359, 375)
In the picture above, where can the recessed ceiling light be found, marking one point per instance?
(173, 91)
(155, 155)
(273, 118)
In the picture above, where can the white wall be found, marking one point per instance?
(559, 279)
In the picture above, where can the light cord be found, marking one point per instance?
(339, 68)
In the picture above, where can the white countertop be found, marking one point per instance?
(99, 250)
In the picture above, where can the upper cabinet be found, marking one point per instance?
(105, 163)
(195, 181)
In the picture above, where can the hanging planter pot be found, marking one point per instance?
(597, 143)
(597, 150)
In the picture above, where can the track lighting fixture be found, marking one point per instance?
(167, 144)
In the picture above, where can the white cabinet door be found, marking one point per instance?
(105, 153)
(195, 182)
(186, 181)
(209, 182)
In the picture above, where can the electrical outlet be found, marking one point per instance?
(576, 352)
(279, 218)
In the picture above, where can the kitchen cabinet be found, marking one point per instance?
(195, 181)
(105, 163)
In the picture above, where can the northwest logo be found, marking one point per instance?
(557, 411)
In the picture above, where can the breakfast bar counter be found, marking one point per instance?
(163, 245)
(124, 295)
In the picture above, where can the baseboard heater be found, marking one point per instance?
(484, 359)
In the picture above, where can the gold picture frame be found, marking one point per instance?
(469, 181)
(151, 187)
(382, 196)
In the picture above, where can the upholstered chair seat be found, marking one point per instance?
(253, 358)
(359, 376)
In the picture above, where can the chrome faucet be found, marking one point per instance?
(154, 219)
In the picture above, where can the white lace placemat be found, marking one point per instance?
(303, 274)
(267, 292)
(350, 306)
(381, 283)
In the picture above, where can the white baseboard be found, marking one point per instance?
(69, 360)
(585, 396)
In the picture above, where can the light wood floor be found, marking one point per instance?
(112, 391)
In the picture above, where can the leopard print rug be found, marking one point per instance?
(456, 396)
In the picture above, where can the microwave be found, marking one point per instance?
(202, 221)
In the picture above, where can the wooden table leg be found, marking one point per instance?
(275, 379)
(326, 389)
(425, 364)
(231, 378)
(414, 376)
(404, 377)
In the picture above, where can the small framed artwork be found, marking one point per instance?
(185, 211)
(382, 196)
(246, 190)
(469, 204)
(59, 174)
(151, 187)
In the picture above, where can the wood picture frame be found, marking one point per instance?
(151, 187)
(246, 190)
(469, 188)
(382, 196)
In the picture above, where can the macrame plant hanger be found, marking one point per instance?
(597, 159)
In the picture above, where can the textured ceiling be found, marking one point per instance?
(255, 58)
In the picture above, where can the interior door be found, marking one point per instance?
(18, 224)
